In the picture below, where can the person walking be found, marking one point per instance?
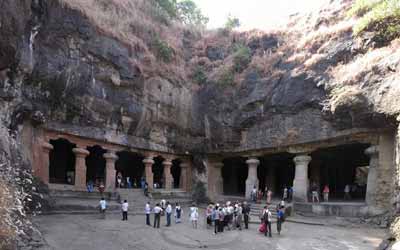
(157, 214)
(246, 214)
(267, 219)
(215, 218)
(168, 211)
(103, 207)
(325, 191)
(147, 210)
(280, 219)
(124, 208)
(178, 213)
(194, 215)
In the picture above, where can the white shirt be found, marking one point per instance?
(147, 209)
(168, 209)
(157, 209)
(103, 204)
(125, 206)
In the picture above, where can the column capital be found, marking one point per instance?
(371, 151)
(302, 159)
(167, 162)
(148, 160)
(110, 156)
(46, 146)
(253, 161)
(80, 152)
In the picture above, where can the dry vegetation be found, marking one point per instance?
(7, 233)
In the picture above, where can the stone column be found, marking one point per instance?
(183, 184)
(148, 166)
(167, 174)
(252, 179)
(218, 181)
(110, 157)
(80, 168)
(373, 153)
(300, 183)
(44, 169)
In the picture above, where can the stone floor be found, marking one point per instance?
(87, 232)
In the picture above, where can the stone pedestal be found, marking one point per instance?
(373, 153)
(183, 183)
(44, 169)
(110, 157)
(167, 174)
(252, 180)
(148, 167)
(80, 168)
(300, 183)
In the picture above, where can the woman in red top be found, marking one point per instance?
(326, 193)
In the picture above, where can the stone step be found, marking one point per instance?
(82, 195)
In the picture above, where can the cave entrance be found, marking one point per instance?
(234, 174)
(130, 164)
(62, 162)
(176, 173)
(276, 172)
(95, 165)
(158, 172)
(340, 166)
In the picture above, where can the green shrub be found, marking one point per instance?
(162, 50)
(199, 76)
(226, 78)
(241, 57)
(232, 23)
(380, 16)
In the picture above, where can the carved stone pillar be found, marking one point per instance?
(167, 174)
(300, 183)
(373, 153)
(183, 184)
(110, 157)
(252, 180)
(148, 166)
(80, 168)
(44, 169)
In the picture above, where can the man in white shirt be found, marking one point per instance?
(147, 210)
(168, 211)
(124, 208)
(157, 213)
(103, 206)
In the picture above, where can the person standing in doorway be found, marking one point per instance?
(326, 193)
(285, 193)
(178, 213)
(194, 215)
(314, 192)
(147, 210)
(168, 211)
(119, 180)
(157, 214)
(246, 214)
(124, 208)
(103, 207)
(347, 192)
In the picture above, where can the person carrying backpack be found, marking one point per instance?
(281, 219)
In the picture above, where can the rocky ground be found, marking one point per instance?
(90, 232)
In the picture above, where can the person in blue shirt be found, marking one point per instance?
(281, 218)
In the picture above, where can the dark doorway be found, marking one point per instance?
(130, 164)
(277, 172)
(62, 162)
(95, 164)
(340, 166)
(158, 172)
(234, 174)
(176, 173)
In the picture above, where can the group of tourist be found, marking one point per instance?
(228, 216)
(315, 192)
(258, 195)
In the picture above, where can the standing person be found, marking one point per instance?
(314, 192)
(326, 193)
(285, 193)
(90, 186)
(215, 218)
(119, 179)
(146, 189)
(168, 211)
(246, 214)
(194, 215)
(208, 215)
(269, 196)
(347, 192)
(221, 216)
(147, 210)
(267, 219)
(103, 207)
(142, 182)
(290, 193)
(280, 219)
(124, 208)
(253, 194)
(128, 182)
(157, 214)
(266, 191)
(239, 216)
(178, 213)
(101, 188)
